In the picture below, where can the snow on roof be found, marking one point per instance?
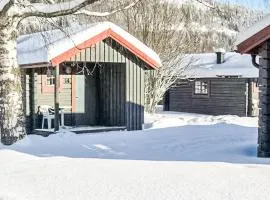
(205, 66)
(221, 50)
(252, 30)
(42, 47)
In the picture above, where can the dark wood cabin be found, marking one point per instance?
(218, 84)
(256, 42)
(99, 82)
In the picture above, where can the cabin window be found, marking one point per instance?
(67, 80)
(201, 87)
(50, 80)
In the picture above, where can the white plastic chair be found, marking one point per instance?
(44, 109)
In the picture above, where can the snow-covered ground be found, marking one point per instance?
(177, 156)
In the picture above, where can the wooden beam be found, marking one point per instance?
(56, 98)
(250, 97)
(32, 98)
(36, 65)
(255, 41)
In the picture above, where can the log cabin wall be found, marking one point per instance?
(225, 96)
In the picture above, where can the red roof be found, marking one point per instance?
(59, 47)
(108, 33)
(253, 37)
(255, 41)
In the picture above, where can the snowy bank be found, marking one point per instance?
(180, 156)
(169, 137)
(31, 178)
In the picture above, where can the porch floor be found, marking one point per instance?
(80, 129)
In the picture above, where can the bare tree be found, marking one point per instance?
(12, 15)
(159, 24)
(169, 29)
(172, 30)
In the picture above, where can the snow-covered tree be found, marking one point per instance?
(159, 25)
(12, 15)
(174, 28)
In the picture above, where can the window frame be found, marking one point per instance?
(45, 88)
(201, 94)
(50, 78)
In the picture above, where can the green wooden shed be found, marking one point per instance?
(94, 72)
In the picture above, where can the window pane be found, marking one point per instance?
(67, 80)
(50, 80)
(201, 87)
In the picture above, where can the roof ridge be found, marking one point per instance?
(57, 42)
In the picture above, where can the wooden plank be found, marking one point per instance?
(32, 82)
(142, 94)
(123, 88)
(111, 95)
(227, 97)
(56, 99)
(128, 97)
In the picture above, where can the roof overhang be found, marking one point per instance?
(54, 53)
(251, 44)
(251, 39)
(105, 34)
(36, 65)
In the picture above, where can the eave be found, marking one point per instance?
(250, 45)
(105, 34)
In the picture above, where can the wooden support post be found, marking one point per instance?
(32, 99)
(56, 98)
(250, 98)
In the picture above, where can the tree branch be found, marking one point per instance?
(50, 1)
(7, 4)
(213, 7)
(67, 8)
(55, 10)
(206, 4)
(107, 13)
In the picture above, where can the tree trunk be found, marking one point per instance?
(12, 120)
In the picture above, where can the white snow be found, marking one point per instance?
(252, 30)
(205, 65)
(179, 156)
(55, 7)
(205, 28)
(42, 47)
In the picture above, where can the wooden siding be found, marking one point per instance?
(110, 51)
(134, 96)
(45, 98)
(105, 51)
(114, 92)
(103, 96)
(112, 95)
(226, 96)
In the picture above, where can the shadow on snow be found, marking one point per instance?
(206, 143)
